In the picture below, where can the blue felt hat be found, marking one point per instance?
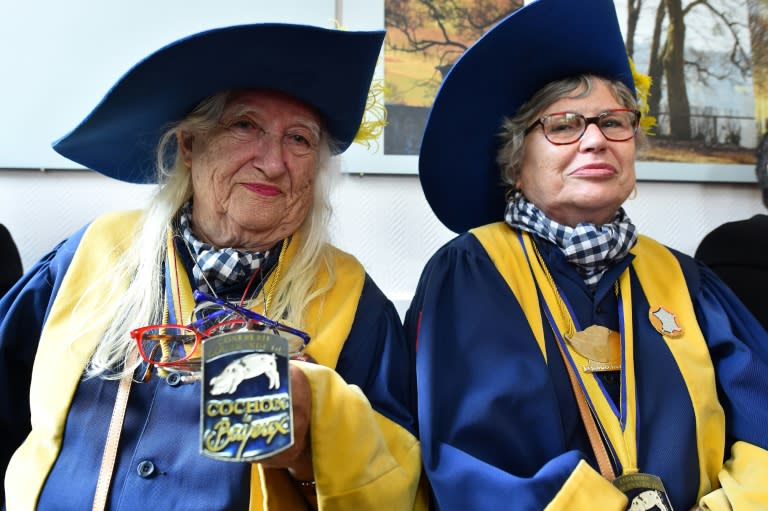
(331, 70)
(544, 41)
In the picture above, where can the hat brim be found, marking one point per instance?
(544, 41)
(330, 70)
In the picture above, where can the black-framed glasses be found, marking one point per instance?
(177, 347)
(562, 128)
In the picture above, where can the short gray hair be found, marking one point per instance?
(512, 136)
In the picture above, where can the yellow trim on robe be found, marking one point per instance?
(181, 288)
(690, 351)
(744, 481)
(505, 248)
(328, 318)
(587, 490)
(330, 321)
(496, 239)
(668, 289)
(623, 440)
(357, 437)
(364, 435)
(59, 364)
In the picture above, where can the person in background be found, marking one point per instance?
(564, 361)
(10, 261)
(238, 127)
(736, 251)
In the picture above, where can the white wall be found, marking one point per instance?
(384, 220)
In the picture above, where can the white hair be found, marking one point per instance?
(142, 263)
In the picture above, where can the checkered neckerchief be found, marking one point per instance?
(222, 267)
(591, 248)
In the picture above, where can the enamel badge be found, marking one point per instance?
(644, 491)
(246, 410)
(664, 322)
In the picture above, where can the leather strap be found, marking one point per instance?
(110, 448)
(598, 447)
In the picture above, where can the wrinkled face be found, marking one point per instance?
(253, 175)
(586, 181)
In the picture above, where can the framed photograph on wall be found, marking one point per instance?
(708, 62)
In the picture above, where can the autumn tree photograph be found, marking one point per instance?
(708, 61)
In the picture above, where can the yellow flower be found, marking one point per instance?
(375, 117)
(643, 88)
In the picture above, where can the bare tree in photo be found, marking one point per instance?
(633, 15)
(458, 23)
(655, 67)
(758, 28)
(427, 36)
(671, 60)
(691, 48)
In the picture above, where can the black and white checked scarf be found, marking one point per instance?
(222, 267)
(591, 248)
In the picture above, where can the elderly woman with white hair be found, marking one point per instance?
(114, 348)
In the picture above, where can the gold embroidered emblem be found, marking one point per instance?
(600, 345)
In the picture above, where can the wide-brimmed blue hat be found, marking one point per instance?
(544, 41)
(330, 70)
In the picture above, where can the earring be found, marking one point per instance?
(512, 193)
(633, 194)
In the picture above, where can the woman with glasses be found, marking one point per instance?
(564, 361)
(238, 127)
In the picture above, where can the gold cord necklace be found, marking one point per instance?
(600, 345)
